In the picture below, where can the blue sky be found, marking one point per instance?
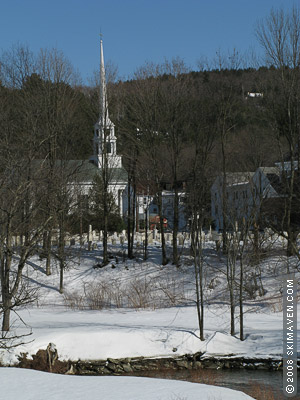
(134, 31)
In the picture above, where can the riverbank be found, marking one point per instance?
(113, 366)
(171, 332)
(260, 378)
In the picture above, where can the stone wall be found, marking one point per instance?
(187, 362)
(136, 365)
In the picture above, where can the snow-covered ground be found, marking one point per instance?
(35, 385)
(127, 333)
(148, 310)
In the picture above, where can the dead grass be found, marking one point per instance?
(138, 293)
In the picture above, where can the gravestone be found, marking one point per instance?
(150, 238)
(168, 237)
(180, 240)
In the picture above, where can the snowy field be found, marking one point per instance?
(137, 308)
(151, 333)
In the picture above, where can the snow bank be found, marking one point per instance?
(91, 335)
(34, 385)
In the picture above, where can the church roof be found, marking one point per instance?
(84, 171)
(87, 171)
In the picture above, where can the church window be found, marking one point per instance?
(119, 198)
(108, 147)
(107, 133)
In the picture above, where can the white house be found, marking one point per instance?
(244, 193)
(147, 209)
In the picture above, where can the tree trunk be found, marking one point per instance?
(146, 235)
(198, 268)
(161, 223)
(129, 219)
(175, 226)
(224, 193)
(6, 258)
(45, 241)
(48, 252)
(291, 243)
(61, 252)
(131, 195)
(105, 210)
(105, 232)
(231, 259)
(241, 299)
(133, 216)
(256, 244)
(232, 308)
(61, 276)
(6, 315)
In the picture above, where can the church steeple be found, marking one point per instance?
(105, 141)
(103, 109)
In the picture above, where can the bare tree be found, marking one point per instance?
(157, 113)
(202, 139)
(53, 104)
(20, 187)
(47, 106)
(175, 99)
(141, 127)
(279, 35)
(17, 64)
(21, 184)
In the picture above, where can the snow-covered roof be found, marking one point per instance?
(235, 178)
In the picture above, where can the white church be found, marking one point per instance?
(105, 153)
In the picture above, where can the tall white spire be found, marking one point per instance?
(105, 141)
(103, 96)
